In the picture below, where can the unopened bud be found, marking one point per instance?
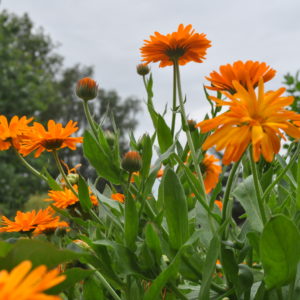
(86, 89)
(191, 124)
(73, 178)
(132, 161)
(142, 69)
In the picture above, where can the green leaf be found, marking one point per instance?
(92, 290)
(164, 135)
(100, 160)
(4, 248)
(153, 242)
(245, 194)
(280, 251)
(209, 267)
(73, 275)
(38, 252)
(146, 156)
(84, 195)
(131, 222)
(176, 211)
(51, 181)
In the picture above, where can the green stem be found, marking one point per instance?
(174, 102)
(188, 133)
(282, 173)
(258, 189)
(89, 118)
(30, 167)
(105, 283)
(62, 172)
(279, 294)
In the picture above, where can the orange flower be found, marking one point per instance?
(210, 171)
(183, 45)
(241, 72)
(219, 204)
(160, 173)
(32, 221)
(118, 197)
(23, 284)
(66, 198)
(56, 137)
(12, 132)
(256, 119)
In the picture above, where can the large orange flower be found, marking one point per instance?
(38, 222)
(23, 284)
(256, 119)
(66, 198)
(11, 132)
(210, 171)
(242, 72)
(183, 45)
(56, 137)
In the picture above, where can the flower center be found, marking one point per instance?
(52, 144)
(175, 53)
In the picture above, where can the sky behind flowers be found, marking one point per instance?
(108, 35)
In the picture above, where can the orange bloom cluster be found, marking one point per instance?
(65, 198)
(210, 171)
(241, 72)
(252, 118)
(118, 197)
(12, 132)
(39, 222)
(56, 137)
(23, 284)
(183, 46)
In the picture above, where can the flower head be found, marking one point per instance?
(86, 89)
(242, 72)
(36, 222)
(132, 161)
(11, 132)
(56, 137)
(184, 45)
(66, 198)
(210, 171)
(118, 197)
(258, 119)
(23, 284)
(142, 69)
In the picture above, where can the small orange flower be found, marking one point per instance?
(184, 45)
(66, 198)
(23, 284)
(56, 137)
(160, 173)
(242, 72)
(118, 197)
(32, 221)
(86, 89)
(12, 132)
(210, 172)
(256, 119)
(219, 204)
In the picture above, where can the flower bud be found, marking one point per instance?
(86, 89)
(73, 178)
(142, 69)
(191, 124)
(132, 161)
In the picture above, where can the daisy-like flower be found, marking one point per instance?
(183, 46)
(32, 221)
(118, 197)
(258, 119)
(11, 132)
(22, 283)
(242, 72)
(56, 137)
(210, 171)
(65, 198)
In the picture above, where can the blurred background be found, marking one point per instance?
(46, 46)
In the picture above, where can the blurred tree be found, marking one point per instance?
(293, 88)
(34, 82)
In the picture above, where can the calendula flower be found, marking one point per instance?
(11, 132)
(210, 171)
(118, 197)
(183, 46)
(86, 89)
(66, 198)
(241, 72)
(22, 283)
(32, 221)
(219, 204)
(256, 119)
(55, 138)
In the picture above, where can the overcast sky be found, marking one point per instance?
(108, 35)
